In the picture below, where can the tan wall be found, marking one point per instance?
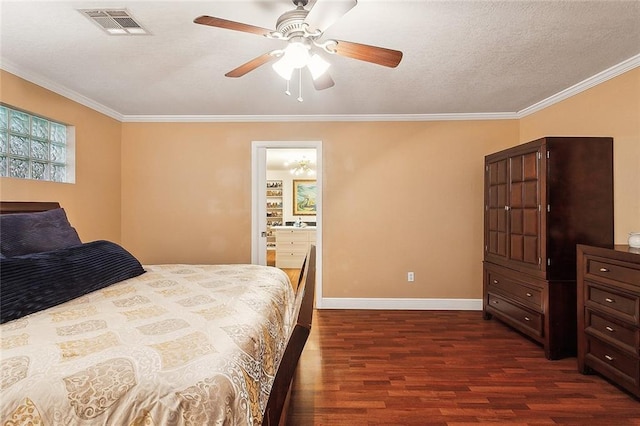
(609, 109)
(397, 197)
(93, 202)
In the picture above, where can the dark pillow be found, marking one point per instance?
(25, 233)
(38, 281)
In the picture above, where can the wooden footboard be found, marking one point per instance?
(275, 413)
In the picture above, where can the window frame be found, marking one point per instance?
(31, 139)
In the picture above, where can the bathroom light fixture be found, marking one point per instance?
(301, 167)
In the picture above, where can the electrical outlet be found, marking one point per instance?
(410, 277)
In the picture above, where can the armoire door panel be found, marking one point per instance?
(530, 166)
(516, 222)
(530, 250)
(497, 243)
(497, 196)
(498, 172)
(516, 247)
(515, 195)
(515, 172)
(530, 194)
(530, 222)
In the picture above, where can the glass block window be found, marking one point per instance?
(33, 147)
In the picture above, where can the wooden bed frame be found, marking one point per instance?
(276, 409)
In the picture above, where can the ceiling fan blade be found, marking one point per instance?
(231, 25)
(251, 65)
(323, 82)
(325, 13)
(363, 52)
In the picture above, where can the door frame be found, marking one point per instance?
(259, 203)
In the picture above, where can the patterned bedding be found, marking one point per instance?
(178, 345)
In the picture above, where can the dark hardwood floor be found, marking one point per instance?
(441, 367)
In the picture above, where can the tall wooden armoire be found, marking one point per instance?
(541, 199)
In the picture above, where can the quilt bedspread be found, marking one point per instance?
(178, 345)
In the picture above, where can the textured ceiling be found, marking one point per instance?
(460, 57)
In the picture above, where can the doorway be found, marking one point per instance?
(269, 168)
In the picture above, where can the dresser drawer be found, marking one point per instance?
(289, 260)
(527, 295)
(612, 362)
(621, 305)
(532, 321)
(624, 336)
(289, 235)
(623, 272)
(292, 246)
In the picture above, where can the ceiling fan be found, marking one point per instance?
(302, 29)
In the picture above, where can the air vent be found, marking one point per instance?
(114, 21)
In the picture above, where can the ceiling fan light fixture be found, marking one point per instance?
(317, 66)
(296, 54)
(283, 68)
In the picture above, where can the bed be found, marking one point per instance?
(90, 336)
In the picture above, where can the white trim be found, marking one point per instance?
(590, 82)
(317, 118)
(59, 89)
(401, 304)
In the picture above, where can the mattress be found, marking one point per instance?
(178, 345)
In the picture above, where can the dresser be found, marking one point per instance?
(292, 245)
(609, 314)
(542, 198)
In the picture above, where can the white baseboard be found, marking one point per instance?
(401, 304)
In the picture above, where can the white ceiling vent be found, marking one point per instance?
(114, 21)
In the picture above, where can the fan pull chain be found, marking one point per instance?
(300, 86)
(287, 92)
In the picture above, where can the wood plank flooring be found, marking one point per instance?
(441, 367)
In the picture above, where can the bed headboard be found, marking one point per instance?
(7, 207)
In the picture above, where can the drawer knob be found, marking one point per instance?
(529, 294)
(495, 302)
(609, 300)
(608, 358)
(496, 281)
(527, 319)
(609, 329)
(604, 270)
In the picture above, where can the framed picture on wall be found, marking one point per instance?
(304, 197)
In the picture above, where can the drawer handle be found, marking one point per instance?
(495, 302)
(529, 294)
(608, 358)
(604, 270)
(609, 300)
(496, 281)
(527, 319)
(609, 329)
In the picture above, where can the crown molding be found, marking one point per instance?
(59, 89)
(310, 118)
(590, 82)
